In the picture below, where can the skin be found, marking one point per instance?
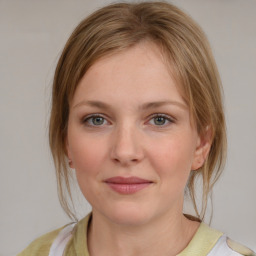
(128, 140)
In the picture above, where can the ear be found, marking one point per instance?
(203, 147)
(68, 153)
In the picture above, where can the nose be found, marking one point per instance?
(126, 146)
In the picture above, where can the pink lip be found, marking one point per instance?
(127, 185)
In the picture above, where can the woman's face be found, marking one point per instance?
(130, 138)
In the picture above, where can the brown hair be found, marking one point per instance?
(117, 27)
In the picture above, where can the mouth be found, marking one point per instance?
(127, 185)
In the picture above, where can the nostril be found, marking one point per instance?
(125, 161)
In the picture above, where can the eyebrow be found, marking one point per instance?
(144, 106)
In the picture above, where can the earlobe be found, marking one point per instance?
(68, 154)
(70, 163)
(203, 148)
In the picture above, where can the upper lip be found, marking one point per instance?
(126, 180)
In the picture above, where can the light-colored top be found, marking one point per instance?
(72, 239)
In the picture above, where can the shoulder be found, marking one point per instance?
(70, 237)
(41, 246)
(239, 248)
(211, 242)
(226, 246)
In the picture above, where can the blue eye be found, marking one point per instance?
(94, 120)
(98, 120)
(161, 120)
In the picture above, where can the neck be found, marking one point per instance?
(168, 235)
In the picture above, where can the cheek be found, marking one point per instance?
(172, 163)
(87, 155)
(173, 158)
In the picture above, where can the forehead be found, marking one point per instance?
(141, 70)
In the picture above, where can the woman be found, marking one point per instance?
(137, 115)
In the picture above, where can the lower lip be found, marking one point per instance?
(127, 189)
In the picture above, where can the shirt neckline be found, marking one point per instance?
(201, 244)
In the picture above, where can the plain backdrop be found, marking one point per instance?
(33, 34)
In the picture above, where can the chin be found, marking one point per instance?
(129, 215)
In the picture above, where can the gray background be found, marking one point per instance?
(32, 36)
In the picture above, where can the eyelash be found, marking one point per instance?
(166, 118)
